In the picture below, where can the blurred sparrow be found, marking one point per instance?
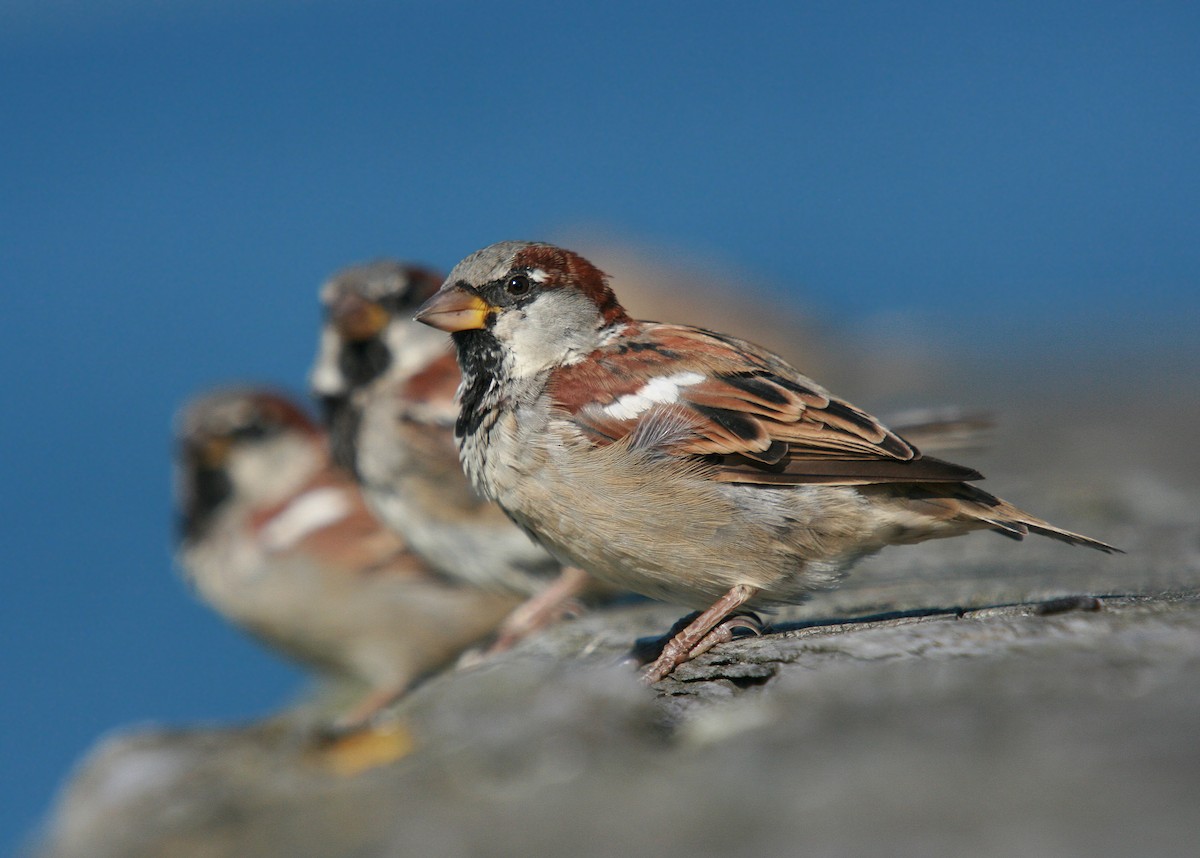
(278, 540)
(686, 465)
(387, 388)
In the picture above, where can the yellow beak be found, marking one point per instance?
(214, 451)
(357, 320)
(453, 309)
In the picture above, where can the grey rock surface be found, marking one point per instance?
(968, 697)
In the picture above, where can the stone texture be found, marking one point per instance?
(948, 699)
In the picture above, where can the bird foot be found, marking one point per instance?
(362, 717)
(366, 747)
(714, 626)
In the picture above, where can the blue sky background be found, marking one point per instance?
(175, 182)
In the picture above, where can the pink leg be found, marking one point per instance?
(365, 711)
(549, 606)
(682, 647)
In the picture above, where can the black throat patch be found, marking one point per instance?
(205, 491)
(342, 419)
(481, 361)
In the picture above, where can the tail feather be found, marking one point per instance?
(962, 506)
(943, 430)
(1067, 536)
(1008, 520)
(1012, 529)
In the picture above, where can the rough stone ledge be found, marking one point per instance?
(1017, 729)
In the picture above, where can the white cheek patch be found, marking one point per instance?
(305, 515)
(656, 391)
(326, 379)
(412, 347)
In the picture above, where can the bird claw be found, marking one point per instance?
(706, 630)
(739, 626)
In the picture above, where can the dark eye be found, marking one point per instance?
(249, 432)
(518, 285)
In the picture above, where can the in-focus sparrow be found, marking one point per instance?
(278, 539)
(679, 463)
(387, 388)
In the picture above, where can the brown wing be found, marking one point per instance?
(755, 419)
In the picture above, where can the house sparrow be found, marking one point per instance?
(387, 388)
(278, 539)
(683, 464)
